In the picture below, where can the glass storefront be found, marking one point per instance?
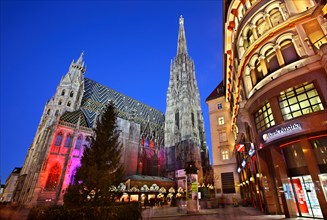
(305, 196)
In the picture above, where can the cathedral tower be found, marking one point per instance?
(184, 127)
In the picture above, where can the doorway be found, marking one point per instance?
(305, 196)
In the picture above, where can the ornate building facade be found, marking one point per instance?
(275, 72)
(64, 131)
(224, 164)
(70, 115)
(184, 127)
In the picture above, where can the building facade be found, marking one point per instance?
(65, 129)
(184, 126)
(275, 75)
(226, 179)
(11, 183)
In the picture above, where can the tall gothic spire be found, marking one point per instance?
(181, 45)
(80, 59)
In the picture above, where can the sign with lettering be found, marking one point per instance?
(282, 132)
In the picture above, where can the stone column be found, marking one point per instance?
(281, 181)
(279, 56)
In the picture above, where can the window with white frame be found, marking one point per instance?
(221, 120)
(225, 154)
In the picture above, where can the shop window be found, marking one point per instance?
(289, 52)
(68, 140)
(295, 160)
(319, 146)
(227, 181)
(78, 143)
(264, 118)
(225, 155)
(275, 17)
(58, 139)
(221, 120)
(53, 178)
(300, 100)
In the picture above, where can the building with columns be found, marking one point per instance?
(184, 126)
(275, 72)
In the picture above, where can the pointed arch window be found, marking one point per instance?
(59, 103)
(78, 143)
(58, 139)
(53, 178)
(48, 112)
(177, 119)
(69, 103)
(192, 117)
(87, 142)
(71, 94)
(68, 140)
(63, 92)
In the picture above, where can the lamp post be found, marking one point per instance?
(192, 199)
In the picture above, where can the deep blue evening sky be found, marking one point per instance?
(128, 46)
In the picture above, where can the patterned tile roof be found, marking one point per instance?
(97, 95)
(72, 117)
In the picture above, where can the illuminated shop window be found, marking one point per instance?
(58, 139)
(53, 178)
(225, 154)
(78, 143)
(68, 140)
(264, 118)
(319, 146)
(300, 100)
(219, 105)
(221, 120)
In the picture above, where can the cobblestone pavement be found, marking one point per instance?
(227, 213)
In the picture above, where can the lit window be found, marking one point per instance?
(264, 118)
(275, 17)
(68, 141)
(300, 100)
(58, 139)
(78, 142)
(220, 106)
(221, 120)
(225, 154)
(53, 178)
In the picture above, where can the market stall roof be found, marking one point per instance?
(149, 178)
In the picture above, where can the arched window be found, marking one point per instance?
(177, 119)
(71, 94)
(53, 178)
(289, 53)
(58, 139)
(68, 140)
(248, 38)
(87, 142)
(272, 61)
(275, 17)
(63, 92)
(48, 112)
(262, 26)
(59, 103)
(256, 73)
(57, 112)
(192, 117)
(69, 103)
(78, 143)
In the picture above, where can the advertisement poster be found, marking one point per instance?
(300, 195)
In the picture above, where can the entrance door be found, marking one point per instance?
(306, 197)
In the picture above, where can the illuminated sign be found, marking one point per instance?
(243, 163)
(239, 169)
(252, 150)
(281, 132)
(240, 147)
